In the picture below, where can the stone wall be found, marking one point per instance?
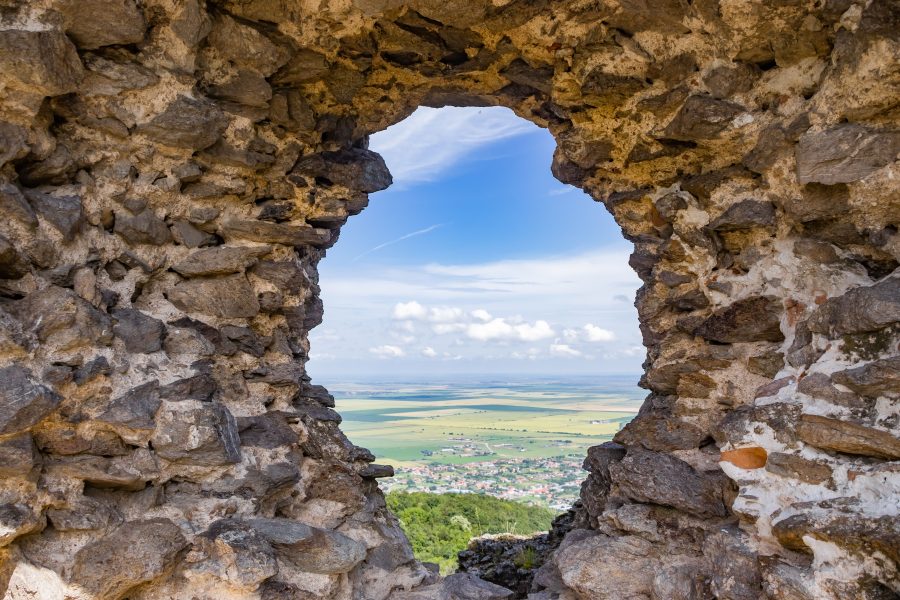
(172, 171)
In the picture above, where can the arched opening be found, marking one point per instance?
(480, 332)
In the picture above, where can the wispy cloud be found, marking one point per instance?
(431, 141)
(399, 239)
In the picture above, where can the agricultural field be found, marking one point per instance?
(511, 440)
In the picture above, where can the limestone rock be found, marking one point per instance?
(13, 204)
(310, 548)
(17, 456)
(87, 514)
(220, 260)
(141, 333)
(105, 571)
(276, 233)
(356, 169)
(660, 478)
(229, 297)
(458, 586)
(245, 45)
(877, 378)
(187, 123)
(846, 528)
(45, 61)
(751, 320)
(235, 552)
(744, 215)
(12, 264)
(129, 472)
(96, 23)
(17, 520)
(23, 401)
(860, 309)
(844, 154)
(702, 118)
(58, 317)
(844, 436)
(13, 145)
(795, 466)
(143, 228)
(818, 385)
(628, 577)
(132, 415)
(196, 433)
(63, 212)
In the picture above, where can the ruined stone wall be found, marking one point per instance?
(172, 171)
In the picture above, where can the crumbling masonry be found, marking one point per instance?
(172, 171)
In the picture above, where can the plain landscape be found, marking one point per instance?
(517, 439)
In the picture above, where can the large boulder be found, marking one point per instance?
(844, 154)
(24, 402)
(355, 168)
(43, 61)
(659, 478)
(141, 333)
(194, 123)
(756, 319)
(196, 433)
(136, 553)
(229, 297)
(310, 548)
(859, 310)
(96, 23)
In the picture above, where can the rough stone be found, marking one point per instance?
(851, 438)
(144, 228)
(187, 123)
(60, 318)
(220, 260)
(63, 212)
(844, 154)
(17, 456)
(458, 586)
(196, 433)
(310, 548)
(45, 61)
(702, 118)
(132, 415)
(97, 23)
(106, 572)
(745, 215)
(276, 233)
(797, 467)
(751, 320)
(229, 297)
(663, 479)
(357, 169)
(877, 378)
(141, 333)
(23, 401)
(858, 310)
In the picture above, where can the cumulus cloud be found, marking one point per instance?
(598, 334)
(564, 350)
(429, 352)
(481, 314)
(444, 314)
(500, 329)
(432, 141)
(409, 310)
(388, 351)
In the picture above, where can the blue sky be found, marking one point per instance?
(476, 261)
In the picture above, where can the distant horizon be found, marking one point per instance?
(444, 377)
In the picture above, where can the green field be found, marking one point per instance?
(408, 424)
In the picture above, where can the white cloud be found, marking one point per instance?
(431, 141)
(571, 335)
(387, 351)
(445, 328)
(564, 350)
(598, 334)
(444, 314)
(500, 329)
(481, 315)
(429, 352)
(409, 310)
